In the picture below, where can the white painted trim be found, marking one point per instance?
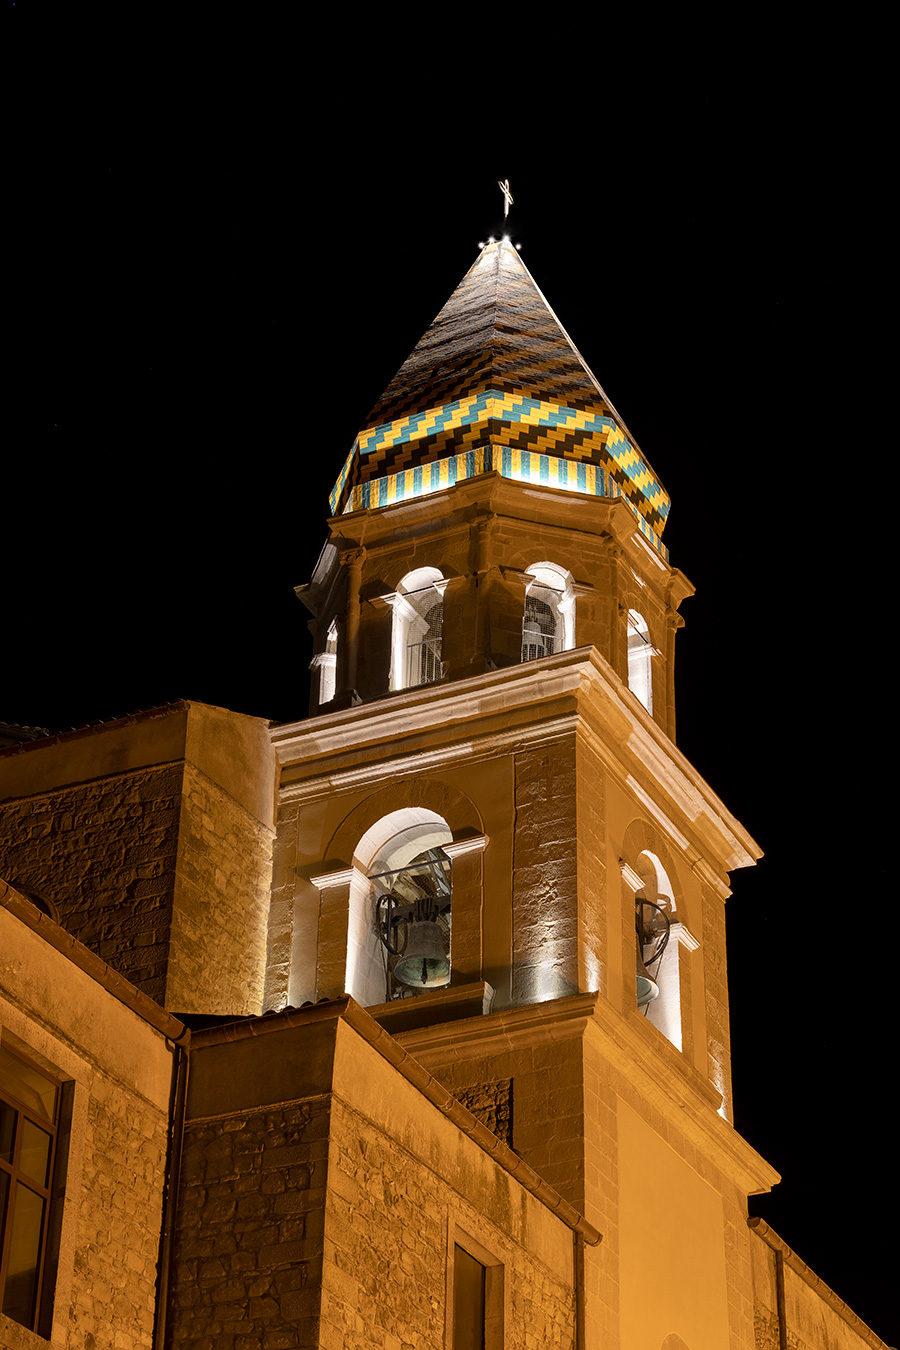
(683, 935)
(457, 847)
(329, 881)
(630, 876)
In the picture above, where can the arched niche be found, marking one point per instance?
(384, 859)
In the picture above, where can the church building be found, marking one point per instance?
(403, 1026)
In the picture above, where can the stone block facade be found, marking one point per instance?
(248, 1252)
(104, 854)
(790, 1298)
(154, 851)
(110, 1052)
(331, 1220)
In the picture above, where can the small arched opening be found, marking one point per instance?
(640, 654)
(548, 625)
(418, 606)
(327, 663)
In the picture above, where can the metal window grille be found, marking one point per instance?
(538, 630)
(423, 659)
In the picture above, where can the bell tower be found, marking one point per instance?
(486, 833)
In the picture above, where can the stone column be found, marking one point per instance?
(352, 559)
(618, 617)
(674, 621)
(481, 539)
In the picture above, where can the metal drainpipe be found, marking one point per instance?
(579, 1290)
(177, 1105)
(779, 1301)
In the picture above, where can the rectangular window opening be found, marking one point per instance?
(35, 1109)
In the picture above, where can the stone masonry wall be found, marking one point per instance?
(104, 853)
(120, 1213)
(221, 901)
(260, 1242)
(386, 1248)
(248, 1249)
(545, 960)
(546, 1104)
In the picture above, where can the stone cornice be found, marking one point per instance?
(420, 730)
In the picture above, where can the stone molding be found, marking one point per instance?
(570, 689)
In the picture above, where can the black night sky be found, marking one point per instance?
(215, 274)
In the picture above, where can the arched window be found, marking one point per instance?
(399, 932)
(640, 652)
(418, 620)
(549, 622)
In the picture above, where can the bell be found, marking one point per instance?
(647, 988)
(424, 963)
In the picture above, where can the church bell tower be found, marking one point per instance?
(486, 833)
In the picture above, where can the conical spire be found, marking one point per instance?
(497, 384)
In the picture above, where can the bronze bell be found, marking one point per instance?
(424, 963)
(647, 988)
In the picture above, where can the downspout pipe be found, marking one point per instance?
(175, 1148)
(580, 1340)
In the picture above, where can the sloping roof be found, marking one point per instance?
(497, 384)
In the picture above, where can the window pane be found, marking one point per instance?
(34, 1155)
(468, 1302)
(7, 1131)
(24, 1250)
(27, 1084)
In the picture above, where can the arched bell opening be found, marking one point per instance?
(658, 984)
(417, 632)
(548, 624)
(399, 927)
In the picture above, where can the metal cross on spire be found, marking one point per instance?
(507, 196)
